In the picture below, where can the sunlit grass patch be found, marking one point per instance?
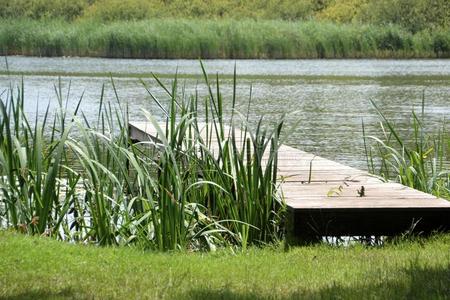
(33, 267)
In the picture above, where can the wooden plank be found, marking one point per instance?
(324, 197)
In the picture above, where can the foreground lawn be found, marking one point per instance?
(32, 267)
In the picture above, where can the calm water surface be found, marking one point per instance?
(311, 67)
(329, 98)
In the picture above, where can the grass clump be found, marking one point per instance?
(195, 187)
(37, 267)
(183, 38)
(417, 160)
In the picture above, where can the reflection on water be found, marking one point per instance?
(329, 111)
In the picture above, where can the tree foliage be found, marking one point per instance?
(413, 15)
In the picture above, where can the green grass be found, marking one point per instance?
(191, 38)
(36, 267)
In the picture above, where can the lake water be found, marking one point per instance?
(329, 98)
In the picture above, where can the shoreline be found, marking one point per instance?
(311, 78)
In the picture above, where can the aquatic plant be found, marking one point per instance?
(203, 182)
(184, 38)
(419, 160)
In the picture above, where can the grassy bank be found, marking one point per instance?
(33, 267)
(168, 38)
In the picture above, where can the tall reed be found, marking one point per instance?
(170, 38)
(199, 185)
(419, 161)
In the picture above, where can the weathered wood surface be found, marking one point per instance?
(325, 198)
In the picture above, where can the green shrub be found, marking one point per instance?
(414, 15)
(111, 10)
(441, 43)
(39, 9)
(341, 11)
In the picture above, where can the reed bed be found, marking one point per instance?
(170, 38)
(419, 160)
(194, 188)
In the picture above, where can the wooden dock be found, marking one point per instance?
(326, 198)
